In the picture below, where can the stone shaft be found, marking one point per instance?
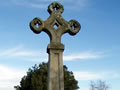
(55, 72)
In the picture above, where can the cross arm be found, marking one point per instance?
(37, 25)
(73, 27)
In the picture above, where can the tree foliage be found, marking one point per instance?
(99, 85)
(36, 79)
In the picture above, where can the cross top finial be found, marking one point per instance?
(55, 6)
(55, 26)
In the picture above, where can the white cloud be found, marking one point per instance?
(76, 4)
(95, 75)
(18, 51)
(23, 54)
(83, 56)
(9, 77)
(32, 3)
(39, 55)
(87, 76)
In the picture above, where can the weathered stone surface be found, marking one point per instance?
(55, 26)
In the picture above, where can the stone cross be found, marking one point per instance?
(55, 26)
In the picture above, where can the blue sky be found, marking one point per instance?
(92, 54)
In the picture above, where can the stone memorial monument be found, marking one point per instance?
(55, 26)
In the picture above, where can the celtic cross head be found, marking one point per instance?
(55, 26)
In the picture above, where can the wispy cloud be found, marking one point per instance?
(31, 3)
(23, 54)
(44, 3)
(18, 52)
(38, 55)
(83, 56)
(96, 75)
(75, 4)
(9, 77)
